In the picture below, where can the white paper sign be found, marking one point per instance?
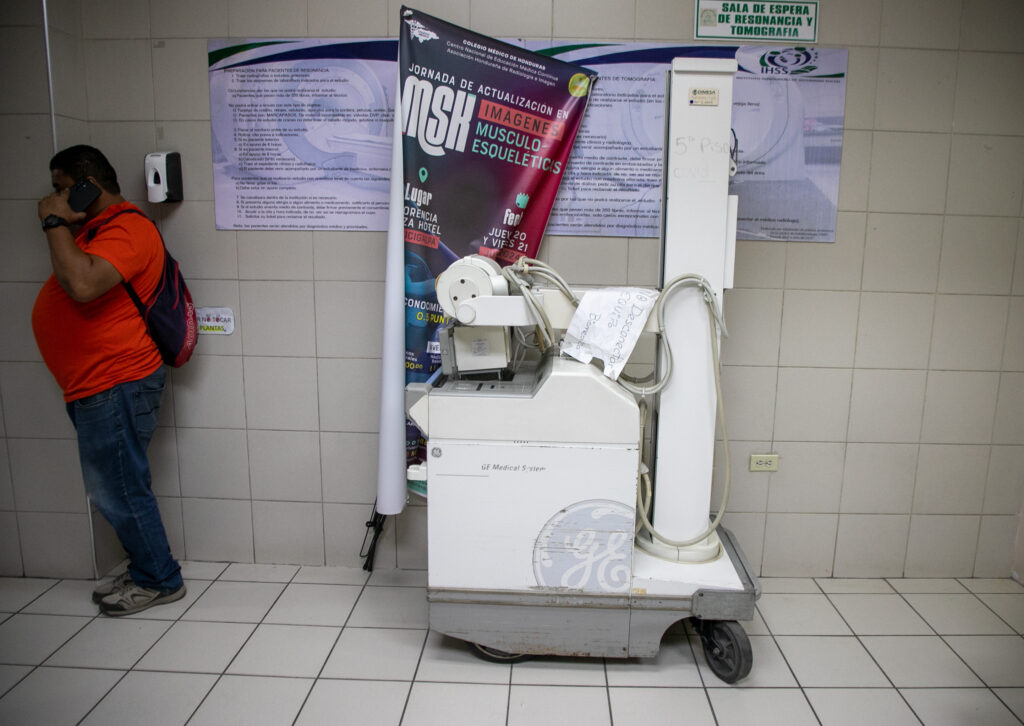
(215, 321)
(607, 325)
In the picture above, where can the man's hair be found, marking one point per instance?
(81, 161)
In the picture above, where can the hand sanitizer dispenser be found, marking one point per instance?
(163, 176)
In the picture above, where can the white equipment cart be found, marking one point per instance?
(537, 467)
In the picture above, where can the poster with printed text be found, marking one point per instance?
(301, 133)
(302, 137)
(487, 128)
(788, 107)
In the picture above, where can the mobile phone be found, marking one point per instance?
(82, 194)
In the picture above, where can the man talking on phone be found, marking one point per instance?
(95, 343)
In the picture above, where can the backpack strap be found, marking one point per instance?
(127, 285)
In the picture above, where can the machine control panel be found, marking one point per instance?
(490, 388)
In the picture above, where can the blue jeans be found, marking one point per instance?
(114, 429)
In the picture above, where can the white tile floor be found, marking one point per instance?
(254, 644)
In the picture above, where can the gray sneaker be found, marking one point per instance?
(108, 588)
(134, 598)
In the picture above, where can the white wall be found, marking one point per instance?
(887, 368)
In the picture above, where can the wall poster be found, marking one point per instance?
(301, 133)
(302, 136)
(788, 106)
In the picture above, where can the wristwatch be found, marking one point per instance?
(52, 220)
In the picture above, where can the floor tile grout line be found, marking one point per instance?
(977, 596)
(130, 669)
(415, 672)
(220, 676)
(240, 675)
(341, 630)
(785, 660)
(857, 636)
(985, 684)
(580, 686)
(700, 672)
(14, 685)
(1012, 712)
(37, 597)
(1018, 591)
(179, 618)
(39, 665)
(105, 694)
(607, 681)
(942, 637)
(874, 659)
(263, 621)
(508, 694)
(607, 690)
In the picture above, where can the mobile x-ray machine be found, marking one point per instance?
(546, 534)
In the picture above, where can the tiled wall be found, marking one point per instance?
(887, 369)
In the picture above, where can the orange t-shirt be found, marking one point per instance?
(90, 347)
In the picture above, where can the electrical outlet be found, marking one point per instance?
(764, 462)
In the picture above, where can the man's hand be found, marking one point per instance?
(57, 203)
(83, 276)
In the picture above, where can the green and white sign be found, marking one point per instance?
(760, 21)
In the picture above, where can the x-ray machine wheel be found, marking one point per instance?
(726, 648)
(497, 656)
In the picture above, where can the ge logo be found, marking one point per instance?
(436, 452)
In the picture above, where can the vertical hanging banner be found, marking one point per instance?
(486, 129)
